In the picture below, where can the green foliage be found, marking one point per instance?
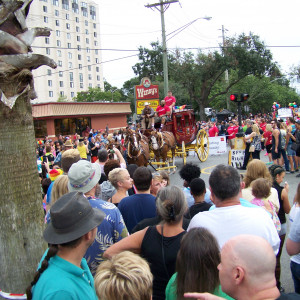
(96, 94)
(62, 98)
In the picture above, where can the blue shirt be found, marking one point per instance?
(244, 202)
(136, 208)
(111, 230)
(190, 199)
(63, 280)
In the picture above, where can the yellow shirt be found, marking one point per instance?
(82, 151)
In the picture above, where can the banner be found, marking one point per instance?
(236, 158)
(141, 103)
(217, 145)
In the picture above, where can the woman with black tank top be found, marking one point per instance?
(278, 174)
(159, 244)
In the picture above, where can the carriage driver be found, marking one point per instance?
(163, 112)
(147, 116)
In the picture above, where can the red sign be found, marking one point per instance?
(143, 93)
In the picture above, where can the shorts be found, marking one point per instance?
(276, 155)
(231, 142)
(290, 151)
(269, 148)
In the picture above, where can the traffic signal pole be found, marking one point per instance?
(240, 133)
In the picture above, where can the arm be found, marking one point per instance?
(202, 296)
(132, 243)
(120, 156)
(285, 199)
(276, 136)
(292, 248)
(250, 136)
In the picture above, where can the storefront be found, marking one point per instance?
(55, 118)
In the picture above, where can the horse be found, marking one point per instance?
(137, 148)
(161, 143)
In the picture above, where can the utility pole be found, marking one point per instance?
(161, 8)
(226, 71)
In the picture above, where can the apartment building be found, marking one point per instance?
(74, 44)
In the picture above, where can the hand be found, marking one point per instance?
(276, 150)
(286, 186)
(202, 296)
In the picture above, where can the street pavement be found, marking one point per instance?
(207, 167)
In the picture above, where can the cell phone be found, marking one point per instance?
(112, 151)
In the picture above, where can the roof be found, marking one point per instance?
(224, 112)
(63, 109)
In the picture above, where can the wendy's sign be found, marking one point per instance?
(146, 90)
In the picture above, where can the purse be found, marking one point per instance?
(251, 148)
(295, 146)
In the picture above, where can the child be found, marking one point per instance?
(261, 189)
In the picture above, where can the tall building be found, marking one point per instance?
(74, 44)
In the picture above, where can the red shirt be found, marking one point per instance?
(263, 126)
(268, 137)
(213, 131)
(232, 132)
(170, 100)
(162, 110)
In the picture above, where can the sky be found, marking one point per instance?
(126, 25)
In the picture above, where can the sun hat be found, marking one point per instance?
(83, 176)
(72, 216)
(68, 143)
(147, 103)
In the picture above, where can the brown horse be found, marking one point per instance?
(161, 143)
(137, 148)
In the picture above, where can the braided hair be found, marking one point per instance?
(53, 249)
(276, 170)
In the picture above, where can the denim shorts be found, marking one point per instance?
(290, 151)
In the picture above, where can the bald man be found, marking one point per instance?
(247, 271)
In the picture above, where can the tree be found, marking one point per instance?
(96, 94)
(21, 212)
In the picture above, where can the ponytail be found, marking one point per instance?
(52, 251)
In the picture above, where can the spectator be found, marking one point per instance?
(83, 149)
(156, 184)
(213, 130)
(196, 266)
(276, 142)
(165, 178)
(131, 168)
(94, 149)
(231, 132)
(84, 177)
(288, 145)
(141, 205)
(124, 276)
(159, 244)
(63, 272)
(188, 172)
(255, 137)
(170, 100)
(268, 141)
(229, 218)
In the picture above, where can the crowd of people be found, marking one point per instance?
(119, 231)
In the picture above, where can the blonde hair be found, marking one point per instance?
(255, 129)
(256, 169)
(116, 175)
(269, 127)
(165, 176)
(60, 188)
(125, 276)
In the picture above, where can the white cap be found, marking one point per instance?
(147, 103)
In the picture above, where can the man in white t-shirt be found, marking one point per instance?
(230, 218)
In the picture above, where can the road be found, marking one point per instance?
(206, 168)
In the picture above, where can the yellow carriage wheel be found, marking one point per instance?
(183, 152)
(202, 145)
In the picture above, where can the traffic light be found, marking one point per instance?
(244, 97)
(234, 97)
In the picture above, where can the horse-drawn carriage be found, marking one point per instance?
(177, 137)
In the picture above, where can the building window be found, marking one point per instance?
(68, 35)
(93, 12)
(59, 63)
(58, 43)
(90, 85)
(87, 40)
(49, 72)
(58, 33)
(50, 94)
(65, 4)
(75, 7)
(59, 53)
(81, 85)
(98, 78)
(80, 77)
(98, 85)
(79, 56)
(56, 13)
(57, 22)
(86, 31)
(80, 66)
(47, 41)
(49, 82)
(77, 29)
(40, 128)
(96, 44)
(67, 17)
(76, 19)
(69, 45)
(55, 2)
(70, 126)
(86, 23)
(60, 74)
(97, 60)
(45, 19)
(88, 58)
(48, 51)
(61, 93)
(70, 55)
(78, 38)
(78, 47)
(72, 94)
(88, 50)
(89, 76)
(94, 25)
(71, 76)
(67, 25)
(89, 68)
(84, 10)
(61, 84)
(95, 34)
(71, 84)
(97, 69)
(70, 65)
(96, 51)
(44, 8)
